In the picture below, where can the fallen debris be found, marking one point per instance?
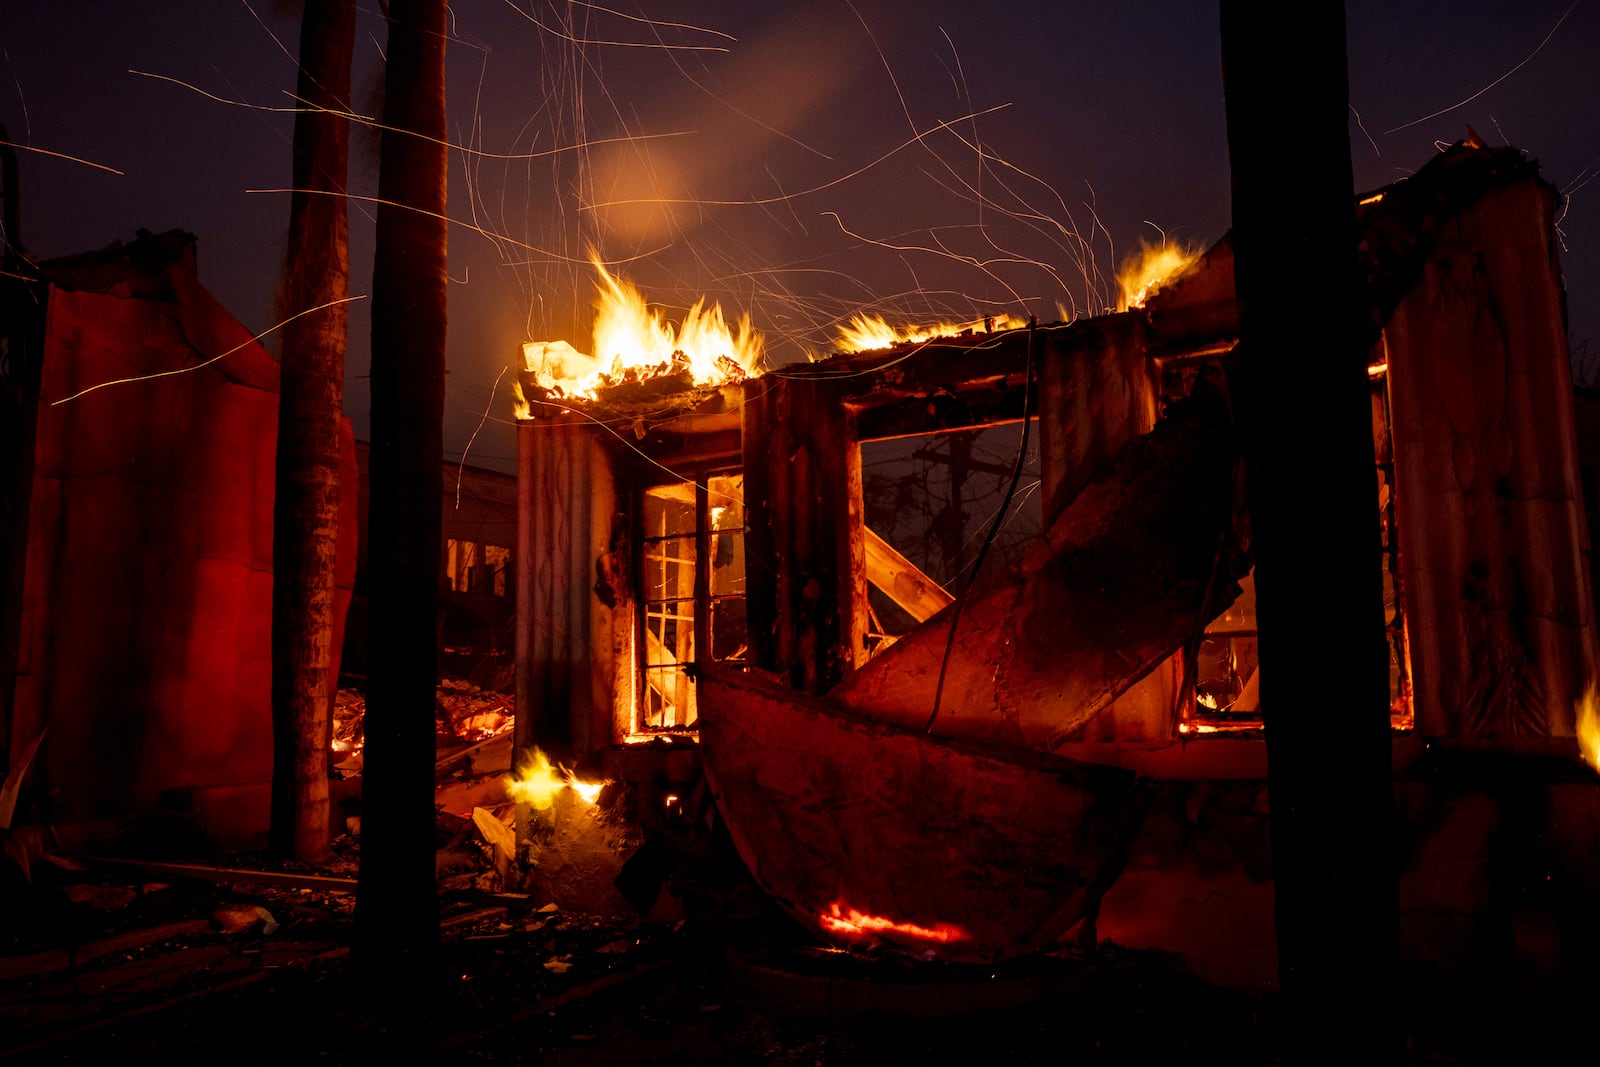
(237, 919)
(101, 897)
(499, 836)
(40, 963)
(232, 875)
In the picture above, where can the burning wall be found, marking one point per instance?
(1475, 350)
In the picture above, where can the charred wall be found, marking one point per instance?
(146, 608)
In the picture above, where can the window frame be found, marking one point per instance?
(1196, 719)
(702, 600)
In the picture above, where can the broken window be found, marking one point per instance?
(688, 606)
(1226, 680)
(470, 567)
(460, 557)
(930, 501)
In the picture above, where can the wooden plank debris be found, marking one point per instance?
(232, 875)
(901, 581)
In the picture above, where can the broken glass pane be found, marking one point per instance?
(727, 564)
(669, 569)
(725, 498)
(730, 635)
(668, 698)
(669, 509)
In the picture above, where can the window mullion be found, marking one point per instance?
(702, 572)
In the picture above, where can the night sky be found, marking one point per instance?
(801, 161)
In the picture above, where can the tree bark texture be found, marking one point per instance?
(396, 905)
(1301, 391)
(310, 407)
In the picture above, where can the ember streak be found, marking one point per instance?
(844, 921)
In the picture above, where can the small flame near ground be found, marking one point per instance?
(1151, 269)
(632, 342)
(866, 333)
(1589, 726)
(845, 921)
(539, 781)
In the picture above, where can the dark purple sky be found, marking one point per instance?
(783, 138)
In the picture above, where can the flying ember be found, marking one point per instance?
(632, 342)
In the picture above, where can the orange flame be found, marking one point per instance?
(864, 333)
(1589, 726)
(1151, 269)
(848, 922)
(633, 343)
(539, 780)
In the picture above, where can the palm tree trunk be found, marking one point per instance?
(310, 406)
(396, 907)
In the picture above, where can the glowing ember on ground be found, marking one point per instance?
(848, 922)
(539, 781)
(349, 714)
(1153, 267)
(1589, 726)
(864, 333)
(632, 342)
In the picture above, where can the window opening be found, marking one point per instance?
(1226, 689)
(692, 593)
(470, 567)
(929, 500)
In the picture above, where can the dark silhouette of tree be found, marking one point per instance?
(396, 921)
(305, 536)
(1302, 396)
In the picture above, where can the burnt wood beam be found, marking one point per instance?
(806, 563)
(941, 412)
(679, 451)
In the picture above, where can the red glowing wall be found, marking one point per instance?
(147, 605)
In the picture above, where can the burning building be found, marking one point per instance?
(1078, 736)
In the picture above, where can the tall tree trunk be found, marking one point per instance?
(1302, 395)
(305, 524)
(396, 908)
